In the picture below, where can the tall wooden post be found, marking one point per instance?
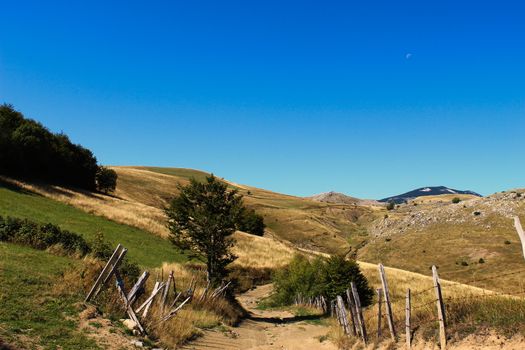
(521, 234)
(342, 315)
(407, 321)
(440, 309)
(351, 308)
(379, 315)
(386, 293)
(360, 319)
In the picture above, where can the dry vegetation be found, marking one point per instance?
(469, 309)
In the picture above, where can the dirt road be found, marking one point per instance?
(266, 330)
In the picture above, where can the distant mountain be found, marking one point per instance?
(426, 191)
(336, 197)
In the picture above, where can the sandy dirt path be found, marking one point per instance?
(265, 330)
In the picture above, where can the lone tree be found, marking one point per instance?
(201, 219)
(106, 179)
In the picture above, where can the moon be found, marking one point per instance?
(408, 56)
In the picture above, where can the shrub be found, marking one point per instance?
(477, 213)
(40, 236)
(327, 277)
(464, 263)
(106, 179)
(507, 242)
(481, 261)
(251, 222)
(456, 200)
(390, 206)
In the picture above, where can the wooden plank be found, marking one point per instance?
(159, 286)
(521, 234)
(440, 308)
(133, 293)
(407, 321)
(342, 312)
(351, 308)
(150, 298)
(113, 268)
(165, 293)
(102, 274)
(360, 318)
(127, 305)
(386, 294)
(174, 312)
(379, 315)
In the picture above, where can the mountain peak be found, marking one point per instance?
(426, 191)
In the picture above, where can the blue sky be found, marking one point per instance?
(369, 98)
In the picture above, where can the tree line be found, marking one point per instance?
(30, 151)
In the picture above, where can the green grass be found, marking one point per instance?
(143, 247)
(29, 312)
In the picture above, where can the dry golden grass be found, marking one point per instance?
(260, 252)
(193, 317)
(468, 308)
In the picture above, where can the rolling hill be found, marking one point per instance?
(425, 191)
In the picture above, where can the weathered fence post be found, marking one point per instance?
(379, 315)
(386, 293)
(440, 309)
(407, 321)
(351, 308)
(521, 234)
(360, 318)
(102, 275)
(342, 314)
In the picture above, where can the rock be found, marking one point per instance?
(129, 324)
(137, 343)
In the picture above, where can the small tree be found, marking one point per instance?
(390, 206)
(106, 179)
(456, 200)
(202, 219)
(251, 222)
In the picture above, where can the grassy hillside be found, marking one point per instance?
(306, 223)
(144, 248)
(31, 315)
(468, 240)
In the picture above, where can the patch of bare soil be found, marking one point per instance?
(102, 331)
(265, 330)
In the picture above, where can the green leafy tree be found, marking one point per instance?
(251, 222)
(202, 219)
(106, 179)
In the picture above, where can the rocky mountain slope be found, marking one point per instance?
(425, 191)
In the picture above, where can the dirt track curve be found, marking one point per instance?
(265, 330)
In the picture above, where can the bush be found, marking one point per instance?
(40, 236)
(106, 179)
(481, 261)
(390, 206)
(251, 222)
(327, 277)
(477, 213)
(456, 200)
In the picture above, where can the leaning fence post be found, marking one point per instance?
(521, 234)
(102, 274)
(386, 293)
(407, 321)
(351, 308)
(379, 316)
(440, 308)
(342, 313)
(360, 318)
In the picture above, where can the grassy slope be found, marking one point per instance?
(455, 243)
(144, 248)
(29, 312)
(322, 226)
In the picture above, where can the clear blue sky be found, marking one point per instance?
(369, 98)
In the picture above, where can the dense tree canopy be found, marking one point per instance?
(31, 151)
(202, 219)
